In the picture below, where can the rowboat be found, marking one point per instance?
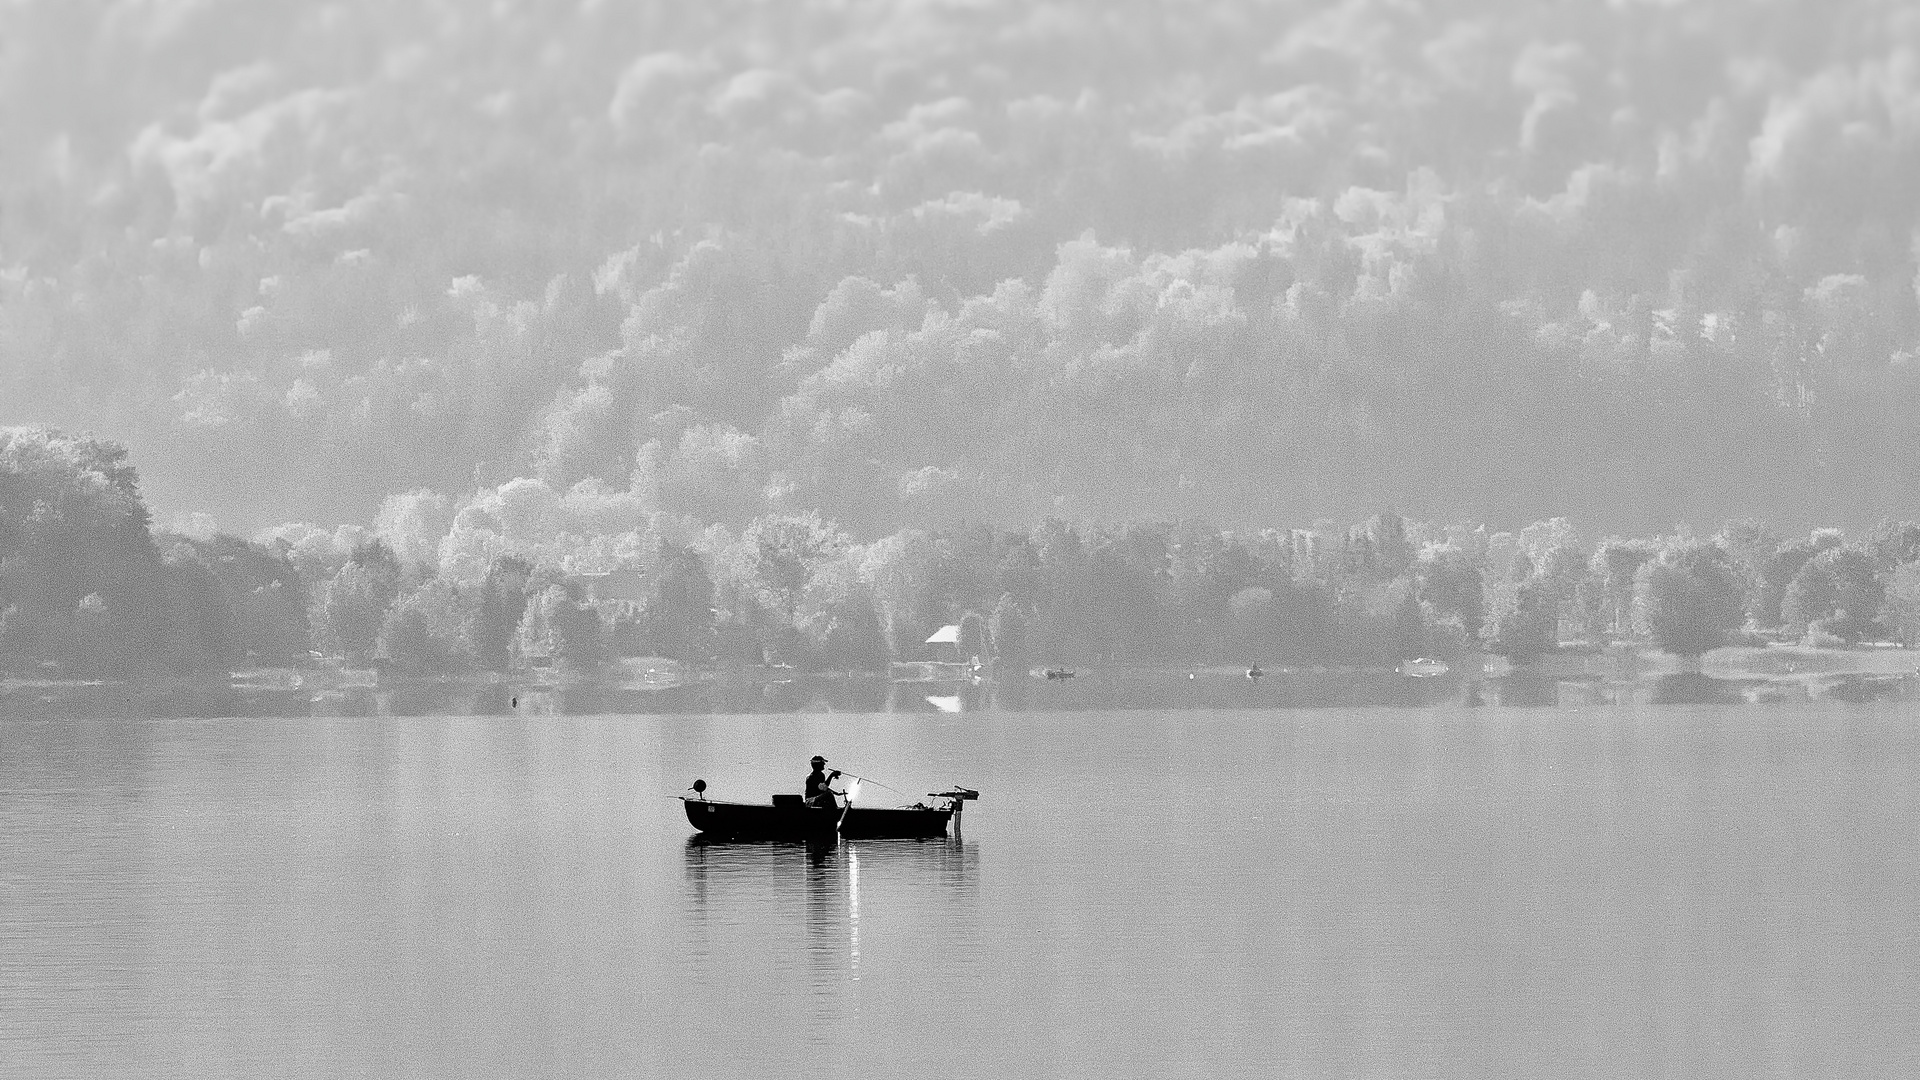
(788, 817)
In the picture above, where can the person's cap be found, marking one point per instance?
(818, 760)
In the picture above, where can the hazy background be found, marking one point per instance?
(1635, 263)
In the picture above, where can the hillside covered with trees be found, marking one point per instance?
(904, 265)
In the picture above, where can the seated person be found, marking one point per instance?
(818, 794)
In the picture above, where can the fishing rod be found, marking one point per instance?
(876, 783)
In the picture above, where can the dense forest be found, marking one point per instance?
(89, 589)
(906, 265)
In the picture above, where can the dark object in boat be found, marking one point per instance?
(1059, 673)
(787, 817)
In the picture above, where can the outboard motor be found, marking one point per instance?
(957, 800)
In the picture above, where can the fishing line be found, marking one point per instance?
(876, 783)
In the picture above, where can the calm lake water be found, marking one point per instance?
(1608, 891)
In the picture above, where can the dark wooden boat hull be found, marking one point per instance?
(757, 821)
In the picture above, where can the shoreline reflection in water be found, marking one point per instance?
(1103, 690)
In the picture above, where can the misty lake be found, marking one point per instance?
(1633, 889)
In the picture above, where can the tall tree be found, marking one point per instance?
(786, 549)
(353, 608)
(429, 631)
(503, 603)
(679, 609)
(1902, 607)
(561, 625)
(1007, 630)
(1836, 592)
(1529, 628)
(1451, 583)
(1692, 599)
(78, 567)
(1617, 563)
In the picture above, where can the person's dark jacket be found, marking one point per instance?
(818, 793)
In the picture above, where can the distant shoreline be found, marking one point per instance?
(1773, 661)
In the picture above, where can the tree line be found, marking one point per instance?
(89, 589)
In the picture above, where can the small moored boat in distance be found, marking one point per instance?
(1423, 667)
(788, 817)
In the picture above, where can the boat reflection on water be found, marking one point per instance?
(949, 861)
(824, 884)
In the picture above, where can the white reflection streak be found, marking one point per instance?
(853, 906)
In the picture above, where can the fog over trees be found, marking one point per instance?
(901, 265)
